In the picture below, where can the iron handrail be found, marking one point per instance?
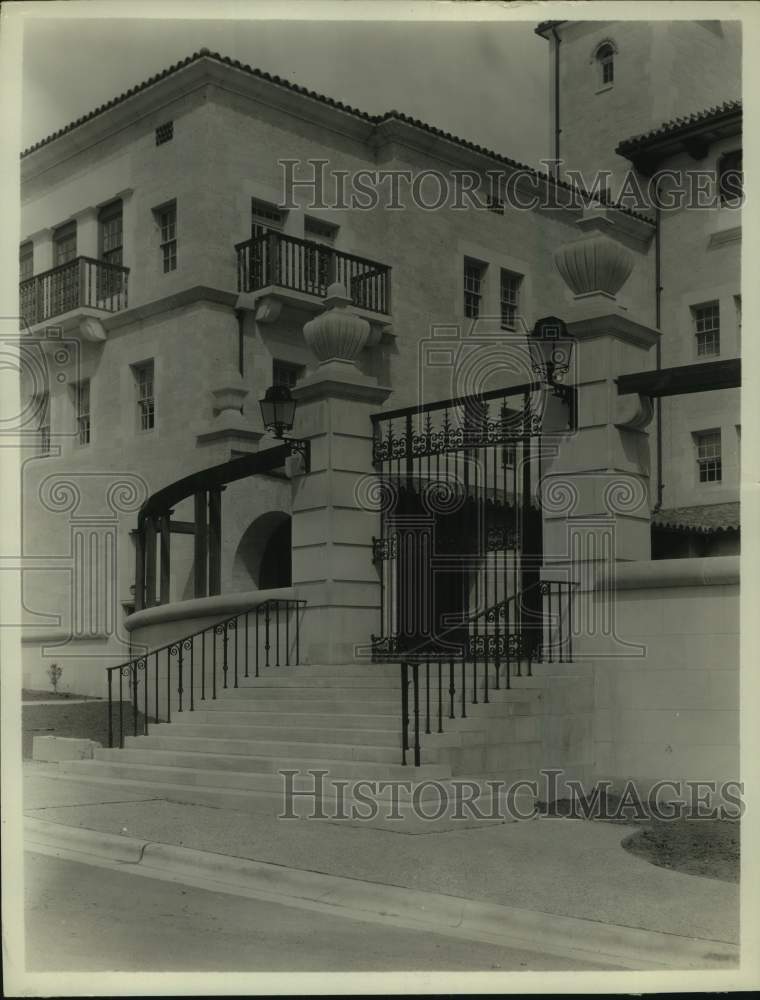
(311, 244)
(70, 264)
(487, 650)
(177, 647)
(307, 266)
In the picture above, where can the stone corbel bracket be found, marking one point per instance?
(91, 328)
(633, 411)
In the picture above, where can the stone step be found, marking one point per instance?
(274, 690)
(260, 746)
(202, 777)
(275, 702)
(309, 732)
(236, 763)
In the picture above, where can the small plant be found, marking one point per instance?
(54, 673)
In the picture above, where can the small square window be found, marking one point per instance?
(707, 329)
(164, 133)
(709, 461)
(474, 273)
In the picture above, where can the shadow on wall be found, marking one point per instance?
(263, 557)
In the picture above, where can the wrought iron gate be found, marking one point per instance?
(460, 545)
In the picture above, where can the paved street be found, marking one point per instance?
(84, 918)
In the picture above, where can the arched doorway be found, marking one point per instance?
(263, 557)
(276, 569)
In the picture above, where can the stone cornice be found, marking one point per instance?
(188, 296)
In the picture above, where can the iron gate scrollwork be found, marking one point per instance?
(460, 544)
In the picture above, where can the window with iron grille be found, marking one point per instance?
(166, 217)
(82, 405)
(26, 261)
(730, 177)
(709, 463)
(146, 400)
(707, 328)
(43, 422)
(164, 133)
(510, 298)
(605, 58)
(473, 288)
(285, 373)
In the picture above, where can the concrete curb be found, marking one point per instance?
(508, 926)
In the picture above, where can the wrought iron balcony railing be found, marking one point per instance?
(82, 281)
(304, 266)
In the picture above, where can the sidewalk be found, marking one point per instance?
(567, 868)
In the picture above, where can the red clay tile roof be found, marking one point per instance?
(679, 126)
(282, 82)
(706, 519)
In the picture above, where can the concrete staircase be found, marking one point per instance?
(344, 720)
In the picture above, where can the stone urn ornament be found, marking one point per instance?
(337, 334)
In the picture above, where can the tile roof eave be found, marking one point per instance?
(671, 130)
(373, 120)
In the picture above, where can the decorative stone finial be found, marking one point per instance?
(594, 264)
(337, 333)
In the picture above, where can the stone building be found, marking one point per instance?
(171, 273)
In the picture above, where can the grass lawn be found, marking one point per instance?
(88, 720)
(694, 846)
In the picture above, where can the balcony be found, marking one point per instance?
(81, 286)
(274, 260)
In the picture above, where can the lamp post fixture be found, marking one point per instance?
(551, 351)
(278, 410)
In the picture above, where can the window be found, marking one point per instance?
(318, 258)
(26, 261)
(510, 297)
(64, 284)
(473, 288)
(82, 405)
(738, 306)
(707, 329)
(164, 133)
(42, 403)
(319, 230)
(730, 178)
(709, 464)
(64, 244)
(166, 217)
(111, 241)
(265, 218)
(146, 401)
(605, 60)
(285, 373)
